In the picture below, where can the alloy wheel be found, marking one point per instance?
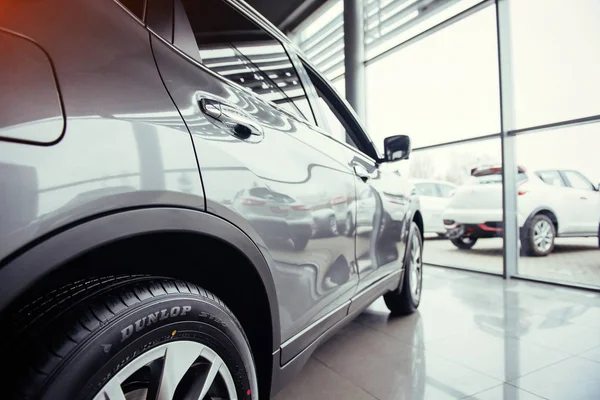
(416, 268)
(177, 370)
(543, 236)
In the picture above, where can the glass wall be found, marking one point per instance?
(555, 58)
(441, 88)
(444, 88)
(432, 73)
(559, 205)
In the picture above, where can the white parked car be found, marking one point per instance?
(551, 203)
(434, 196)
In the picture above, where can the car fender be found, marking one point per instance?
(59, 247)
(536, 211)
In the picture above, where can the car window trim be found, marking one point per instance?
(558, 172)
(349, 120)
(138, 20)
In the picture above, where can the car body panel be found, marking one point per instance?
(288, 159)
(125, 144)
(433, 203)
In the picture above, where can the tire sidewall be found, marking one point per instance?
(184, 317)
(414, 232)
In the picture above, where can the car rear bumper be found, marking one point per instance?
(476, 217)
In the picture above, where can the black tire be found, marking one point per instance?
(300, 242)
(76, 350)
(349, 225)
(403, 300)
(464, 242)
(528, 237)
(333, 229)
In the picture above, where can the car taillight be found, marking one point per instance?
(301, 208)
(253, 202)
(522, 188)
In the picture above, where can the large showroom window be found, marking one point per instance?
(556, 116)
(491, 92)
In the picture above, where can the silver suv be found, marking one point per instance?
(165, 169)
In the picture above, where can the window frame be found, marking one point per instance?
(181, 42)
(563, 173)
(565, 183)
(341, 110)
(141, 20)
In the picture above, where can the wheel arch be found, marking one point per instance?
(547, 211)
(163, 237)
(418, 219)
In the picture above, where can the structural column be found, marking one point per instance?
(354, 56)
(507, 126)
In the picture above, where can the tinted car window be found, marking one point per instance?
(551, 178)
(135, 6)
(238, 49)
(426, 189)
(445, 190)
(334, 126)
(578, 181)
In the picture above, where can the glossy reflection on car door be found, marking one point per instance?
(382, 205)
(277, 187)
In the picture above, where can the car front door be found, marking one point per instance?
(265, 167)
(383, 204)
(585, 202)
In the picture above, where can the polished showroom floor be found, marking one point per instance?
(475, 336)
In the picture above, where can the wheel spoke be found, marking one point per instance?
(210, 377)
(112, 391)
(179, 358)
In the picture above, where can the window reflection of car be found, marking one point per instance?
(275, 215)
(359, 213)
(551, 203)
(434, 196)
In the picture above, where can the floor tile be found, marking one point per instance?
(316, 381)
(390, 370)
(505, 392)
(593, 354)
(567, 337)
(501, 357)
(572, 379)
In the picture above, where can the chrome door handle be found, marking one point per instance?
(240, 123)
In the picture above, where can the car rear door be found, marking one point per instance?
(264, 165)
(383, 205)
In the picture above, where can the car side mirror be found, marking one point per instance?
(396, 148)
